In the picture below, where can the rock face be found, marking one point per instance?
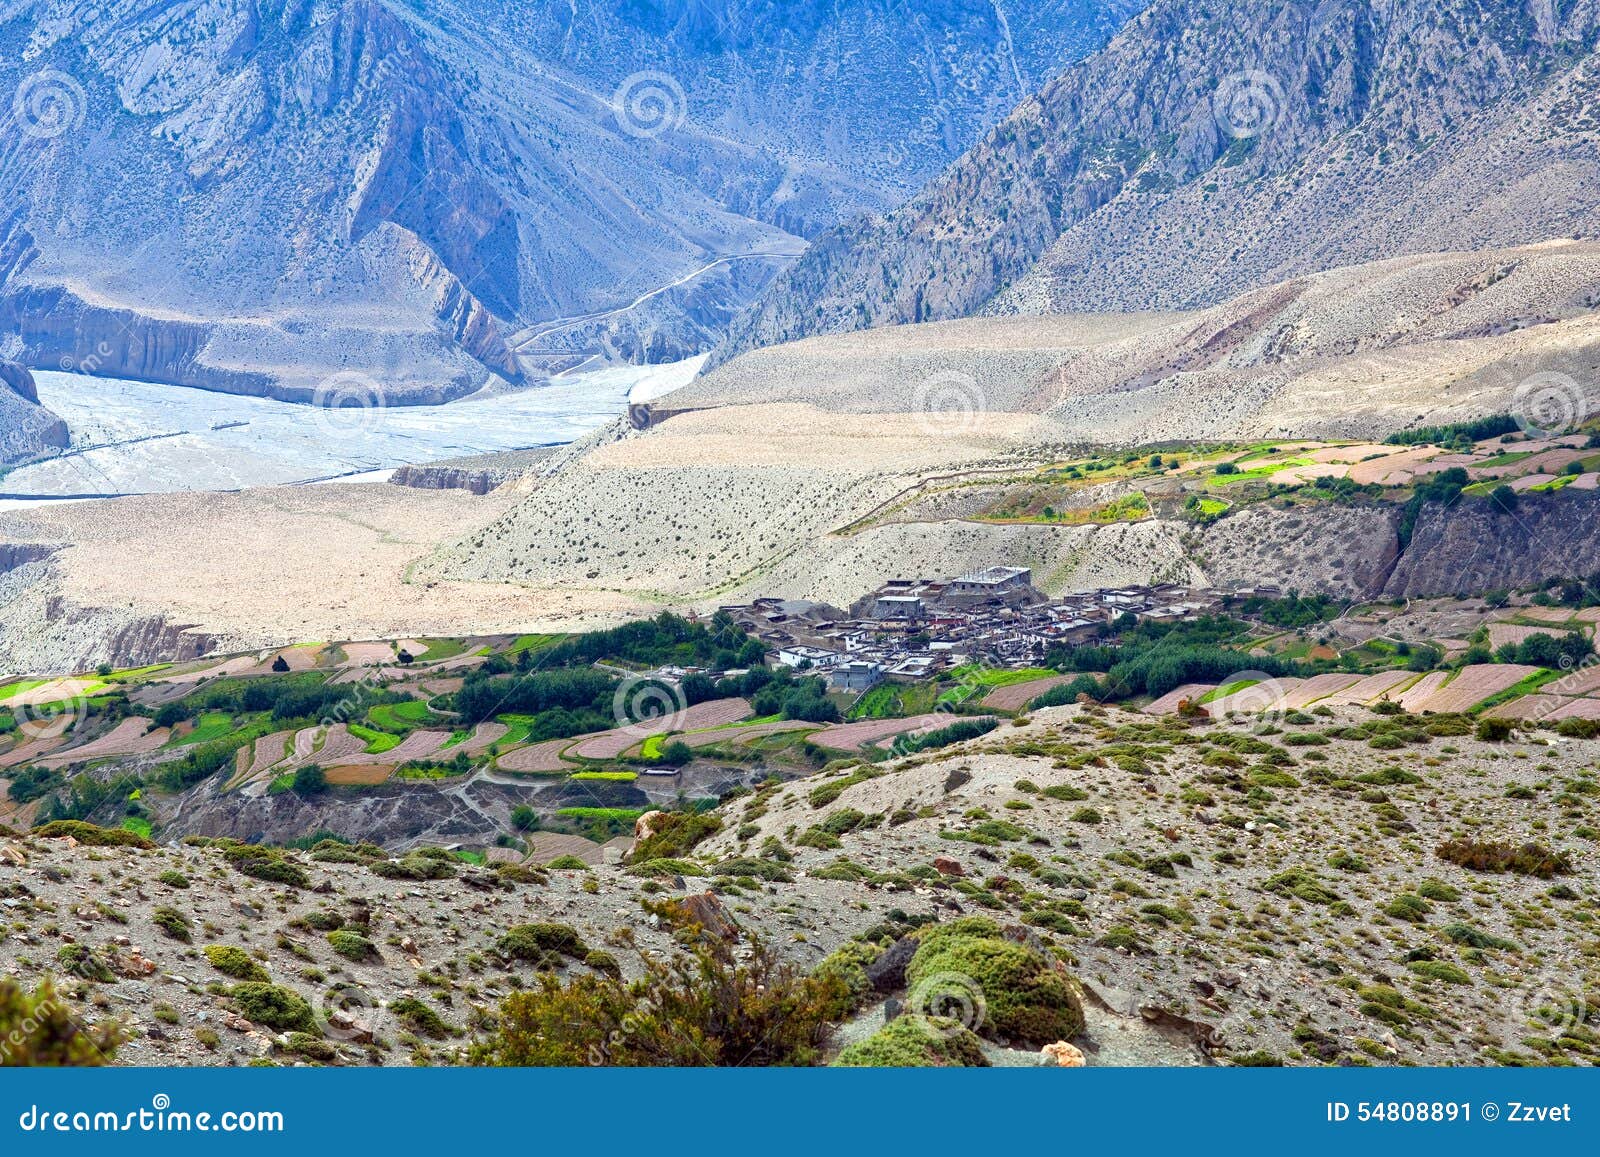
(1471, 547)
(27, 429)
(425, 194)
(1212, 148)
(477, 475)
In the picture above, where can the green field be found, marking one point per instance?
(607, 776)
(893, 700)
(406, 716)
(209, 727)
(377, 741)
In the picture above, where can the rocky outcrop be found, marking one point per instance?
(478, 474)
(1341, 551)
(27, 429)
(1472, 547)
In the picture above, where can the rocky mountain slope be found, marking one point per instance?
(1212, 147)
(251, 195)
(1323, 889)
(27, 429)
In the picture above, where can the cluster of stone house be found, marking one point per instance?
(911, 629)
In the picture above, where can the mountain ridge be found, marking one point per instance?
(1210, 148)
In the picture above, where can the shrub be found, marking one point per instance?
(310, 780)
(1440, 970)
(273, 1006)
(1302, 885)
(265, 864)
(414, 866)
(699, 1009)
(79, 960)
(1531, 859)
(38, 1029)
(916, 1042)
(1431, 889)
(171, 921)
(235, 962)
(543, 944)
(1024, 997)
(93, 835)
(420, 1019)
(567, 863)
(173, 879)
(1066, 793)
(1494, 730)
(1408, 906)
(352, 945)
(675, 834)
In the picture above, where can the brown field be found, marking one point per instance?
(130, 737)
(1471, 686)
(1372, 687)
(850, 736)
(1168, 703)
(538, 757)
(610, 744)
(365, 774)
(1018, 695)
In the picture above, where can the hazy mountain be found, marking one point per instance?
(1216, 145)
(251, 194)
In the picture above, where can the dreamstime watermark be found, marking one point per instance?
(1257, 695)
(347, 404)
(648, 104)
(1552, 1004)
(49, 104)
(159, 1117)
(348, 1012)
(648, 706)
(1548, 405)
(1247, 104)
(950, 996)
(40, 716)
(949, 402)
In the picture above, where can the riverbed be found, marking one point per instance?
(143, 438)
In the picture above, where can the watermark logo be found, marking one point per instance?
(648, 706)
(1255, 693)
(43, 717)
(1247, 104)
(49, 104)
(1548, 405)
(347, 405)
(949, 403)
(1550, 1004)
(953, 996)
(648, 104)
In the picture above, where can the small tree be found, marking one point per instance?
(524, 818)
(280, 664)
(37, 1029)
(676, 753)
(310, 780)
(1504, 499)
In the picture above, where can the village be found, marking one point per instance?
(911, 629)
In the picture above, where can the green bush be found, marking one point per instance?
(543, 944)
(420, 1019)
(352, 945)
(171, 921)
(93, 835)
(697, 1010)
(1408, 906)
(39, 1030)
(265, 864)
(916, 1042)
(1494, 730)
(674, 835)
(1530, 859)
(235, 962)
(273, 1006)
(1023, 996)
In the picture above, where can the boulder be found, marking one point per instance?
(645, 826)
(945, 866)
(706, 910)
(1062, 1055)
(888, 972)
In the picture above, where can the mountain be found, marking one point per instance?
(1216, 146)
(251, 195)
